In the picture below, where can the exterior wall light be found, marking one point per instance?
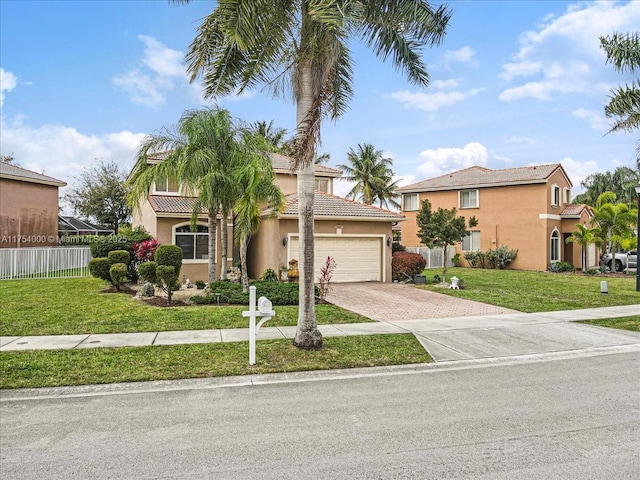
(285, 241)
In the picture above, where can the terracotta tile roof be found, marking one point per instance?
(475, 177)
(283, 163)
(14, 172)
(575, 210)
(326, 205)
(172, 204)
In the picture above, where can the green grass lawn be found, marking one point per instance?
(79, 305)
(538, 291)
(623, 323)
(50, 368)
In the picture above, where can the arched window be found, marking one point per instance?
(555, 245)
(194, 243)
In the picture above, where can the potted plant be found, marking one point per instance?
(284, 273)
(293, 272)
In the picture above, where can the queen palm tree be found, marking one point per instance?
(372, 175)
(203, 152)
(613, 221)
(256, 184)
(300, 49)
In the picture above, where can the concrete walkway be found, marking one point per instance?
(446, 339)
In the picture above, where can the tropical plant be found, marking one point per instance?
(613, 221)
(584, 237)
(205, 152)
(441, 228)
(622, 182)
(274, 136)
(372, 174)
(324, 280)
(623, 51)
(301, 50)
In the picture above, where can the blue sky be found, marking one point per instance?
(514, 83)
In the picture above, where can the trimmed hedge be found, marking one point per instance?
(147, 272)
(231, 293)
(99, 268)
(407, 264)
(119, 256)
(169, 255)
(118, 274)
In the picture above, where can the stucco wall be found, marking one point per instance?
(28, 214)
(520, 217)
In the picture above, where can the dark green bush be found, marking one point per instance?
(99, 268)
(100, 246)
(231, 292)
(169, 255)
(118, 274)
(168, 279)
(476, 259)
(119, 256)
(147, 272)
(501, 257)
(269, 275)
(406, 265)
(200, 284)
(138, 234)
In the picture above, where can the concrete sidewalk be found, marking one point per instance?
(452, 338)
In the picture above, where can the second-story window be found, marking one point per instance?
(322, 185)
(410, 202)
(555, 196)
(469, 199)
(167, 185)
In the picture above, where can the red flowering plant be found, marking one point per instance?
(145, 250)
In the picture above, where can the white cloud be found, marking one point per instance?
(444, 84)
(518, 139)
(163, 60)
(577, 171)
(142, 89)
(63, 152)
(563, 55)
(597, 119)
(462, 55)
(8, 81)
(442, 160)
(433, 101)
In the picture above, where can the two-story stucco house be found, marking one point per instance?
(356, 235)
(28, 208)
(526, 208)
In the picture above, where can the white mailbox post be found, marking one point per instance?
(265, 310)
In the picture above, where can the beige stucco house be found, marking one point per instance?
(356, 235)
(526, 208)
(28, 208)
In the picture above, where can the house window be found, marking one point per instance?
(567, 195)
(471, 242)
(322, 185)
(469, 199)
(555, 196)
(194, 244)
(167, 185)
(555, 246)
(410, 202)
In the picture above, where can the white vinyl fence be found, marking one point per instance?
(434, 256)
(51, 262)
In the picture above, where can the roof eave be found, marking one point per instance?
(472, 185)
(33, 180)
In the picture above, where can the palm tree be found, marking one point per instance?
(300, 49)
(203, 153)
(584, 237)
(614, 222)
(275, 136)
(256, 184)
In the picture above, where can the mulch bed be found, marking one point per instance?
(162, 302)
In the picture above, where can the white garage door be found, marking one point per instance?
(358, 259)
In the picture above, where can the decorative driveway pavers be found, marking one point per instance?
(396, 301)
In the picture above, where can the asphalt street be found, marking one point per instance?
(543, 417)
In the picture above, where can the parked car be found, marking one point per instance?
(623, 260)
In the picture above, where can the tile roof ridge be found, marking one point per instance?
(356, 202)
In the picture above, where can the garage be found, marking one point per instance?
(358, 258)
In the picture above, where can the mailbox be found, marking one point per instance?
(264, 305)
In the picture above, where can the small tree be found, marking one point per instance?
(100, 195)
(441, 228)
(165, 270)
(584, 237)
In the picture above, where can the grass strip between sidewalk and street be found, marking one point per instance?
(532, 292)
(623, 323)
(52, 368)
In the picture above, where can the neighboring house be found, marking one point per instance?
(71, 226)
(358, 236)
(525, 208)
(28, 208)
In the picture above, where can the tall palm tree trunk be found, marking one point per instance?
(212, 221)
(224, 248)
(307, 334)
(244, 243)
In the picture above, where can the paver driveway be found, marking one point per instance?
(396, 301)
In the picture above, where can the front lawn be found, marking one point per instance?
(531, 292)
(51, 368)
(79, 305)
(624, 323)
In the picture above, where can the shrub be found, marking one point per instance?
(269, 275)
(561, 267)
(406, 264)
(147, 271)
(456, 260)
(169, 255)
(592, 271)
(476, 259)
(231, 292)
(137, 235)
(119, 256)
(100, 246)
(145, 250)
(167, 279)
(398, 247)
(118, 274)
(99, 268)
(200, 284)
(501, 257)
(324, 280)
